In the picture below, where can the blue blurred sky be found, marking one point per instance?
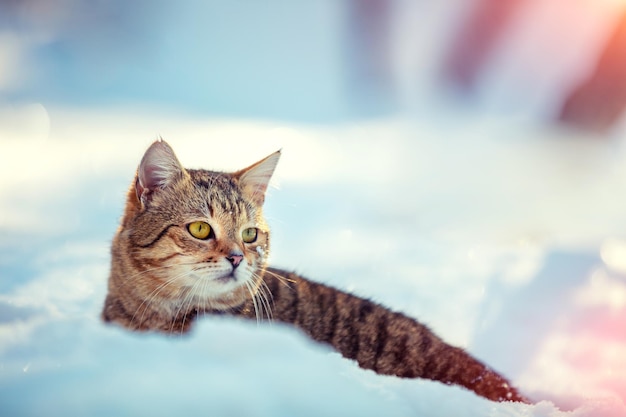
(305, 61)
(237, 58)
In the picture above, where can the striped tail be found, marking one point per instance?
(377, 338)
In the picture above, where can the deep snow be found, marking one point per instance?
(506, 239)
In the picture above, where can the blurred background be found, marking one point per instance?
(478, 144)
(320, 61)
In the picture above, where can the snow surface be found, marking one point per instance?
(505, 238)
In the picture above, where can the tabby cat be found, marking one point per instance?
(194, 242)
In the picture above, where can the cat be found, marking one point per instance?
(194, 242)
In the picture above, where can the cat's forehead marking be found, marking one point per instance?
(223, 197)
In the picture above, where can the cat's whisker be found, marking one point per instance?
(148, 300)
(263, 312)
(183, 310)
(204, 299)
(283, 280)
(262, 291)
(208, 307)
(269, 299)
(188, 299)
(254, 301)
(260, 302)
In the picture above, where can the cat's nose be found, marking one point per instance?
(234, 259)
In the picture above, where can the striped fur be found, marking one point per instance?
(162, 277)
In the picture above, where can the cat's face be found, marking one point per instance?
(196, 238)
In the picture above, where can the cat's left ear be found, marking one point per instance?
(254, 180)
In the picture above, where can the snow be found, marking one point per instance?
(505, 238)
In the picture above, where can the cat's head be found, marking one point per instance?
(194, 236)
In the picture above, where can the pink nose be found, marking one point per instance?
(235, 260)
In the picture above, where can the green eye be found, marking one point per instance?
(249, 235)
(199, 230)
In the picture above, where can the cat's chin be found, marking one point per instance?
(226, 279)
(231, 299)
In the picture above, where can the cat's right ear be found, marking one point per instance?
(158, 168)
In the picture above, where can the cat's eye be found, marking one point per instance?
(199, 230)
(249, 235)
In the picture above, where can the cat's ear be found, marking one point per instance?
(157, 169)
(254, 180)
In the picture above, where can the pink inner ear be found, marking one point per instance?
(158, 167)
(151, 178)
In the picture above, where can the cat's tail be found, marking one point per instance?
(455, 366)
(379, 339)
